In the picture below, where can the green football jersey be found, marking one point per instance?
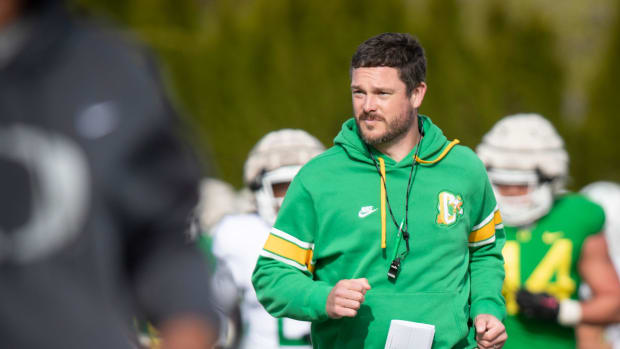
(544, 258)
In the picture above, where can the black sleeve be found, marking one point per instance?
(155, 192)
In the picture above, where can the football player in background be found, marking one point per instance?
(606, 194)
(552, 237)
(218, 199)
(238, 239)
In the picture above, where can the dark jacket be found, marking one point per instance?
(95, 192)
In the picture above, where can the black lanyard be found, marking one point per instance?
(405, 227)
(395, 266)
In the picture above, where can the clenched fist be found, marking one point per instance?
(346, 298)
(490, 332)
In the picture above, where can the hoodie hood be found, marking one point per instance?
(433, 147)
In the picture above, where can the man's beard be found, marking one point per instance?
(394, 129)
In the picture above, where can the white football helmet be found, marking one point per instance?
(607, 194)
(276, 158)
(525, 150)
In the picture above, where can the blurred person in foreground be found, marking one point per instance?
(394, 222)
(606, 194)
(238, 239)
(552, 237)
(96, 191)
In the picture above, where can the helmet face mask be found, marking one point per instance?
(522, 195)
(273, 163)
(507, 177)
(268, 200)
(527, 166)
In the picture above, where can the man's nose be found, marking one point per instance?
(370, 104)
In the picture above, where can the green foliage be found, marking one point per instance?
(242, 68)
(596, 153)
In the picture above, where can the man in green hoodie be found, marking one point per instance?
(393, 222)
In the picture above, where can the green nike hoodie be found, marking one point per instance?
(335, 224)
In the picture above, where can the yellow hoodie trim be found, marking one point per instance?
(383, 178)
(441, 156)
(383, 213)
(284, 248)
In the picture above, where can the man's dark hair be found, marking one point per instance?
(396, 50)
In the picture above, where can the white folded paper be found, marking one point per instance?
(409, 335)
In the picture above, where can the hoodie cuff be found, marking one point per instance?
(318, 300)
(488, 307)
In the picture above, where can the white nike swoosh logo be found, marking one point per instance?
(363, 213)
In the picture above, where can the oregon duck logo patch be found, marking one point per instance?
(450, 207)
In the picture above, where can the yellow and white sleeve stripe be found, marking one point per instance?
(484, 233)
(288, 249)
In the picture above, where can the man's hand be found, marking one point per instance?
(346, 298)
(540, 306)
(490, 332)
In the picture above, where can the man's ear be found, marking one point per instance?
(417, 95)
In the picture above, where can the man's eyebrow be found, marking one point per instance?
(374, 88)
(381, 88)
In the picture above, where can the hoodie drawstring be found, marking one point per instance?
(383, 184)
(383, 213)
(441, 156)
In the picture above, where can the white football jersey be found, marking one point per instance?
(238, 240)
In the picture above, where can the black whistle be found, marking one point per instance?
(394, 269)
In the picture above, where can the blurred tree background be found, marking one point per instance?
(241, 68)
